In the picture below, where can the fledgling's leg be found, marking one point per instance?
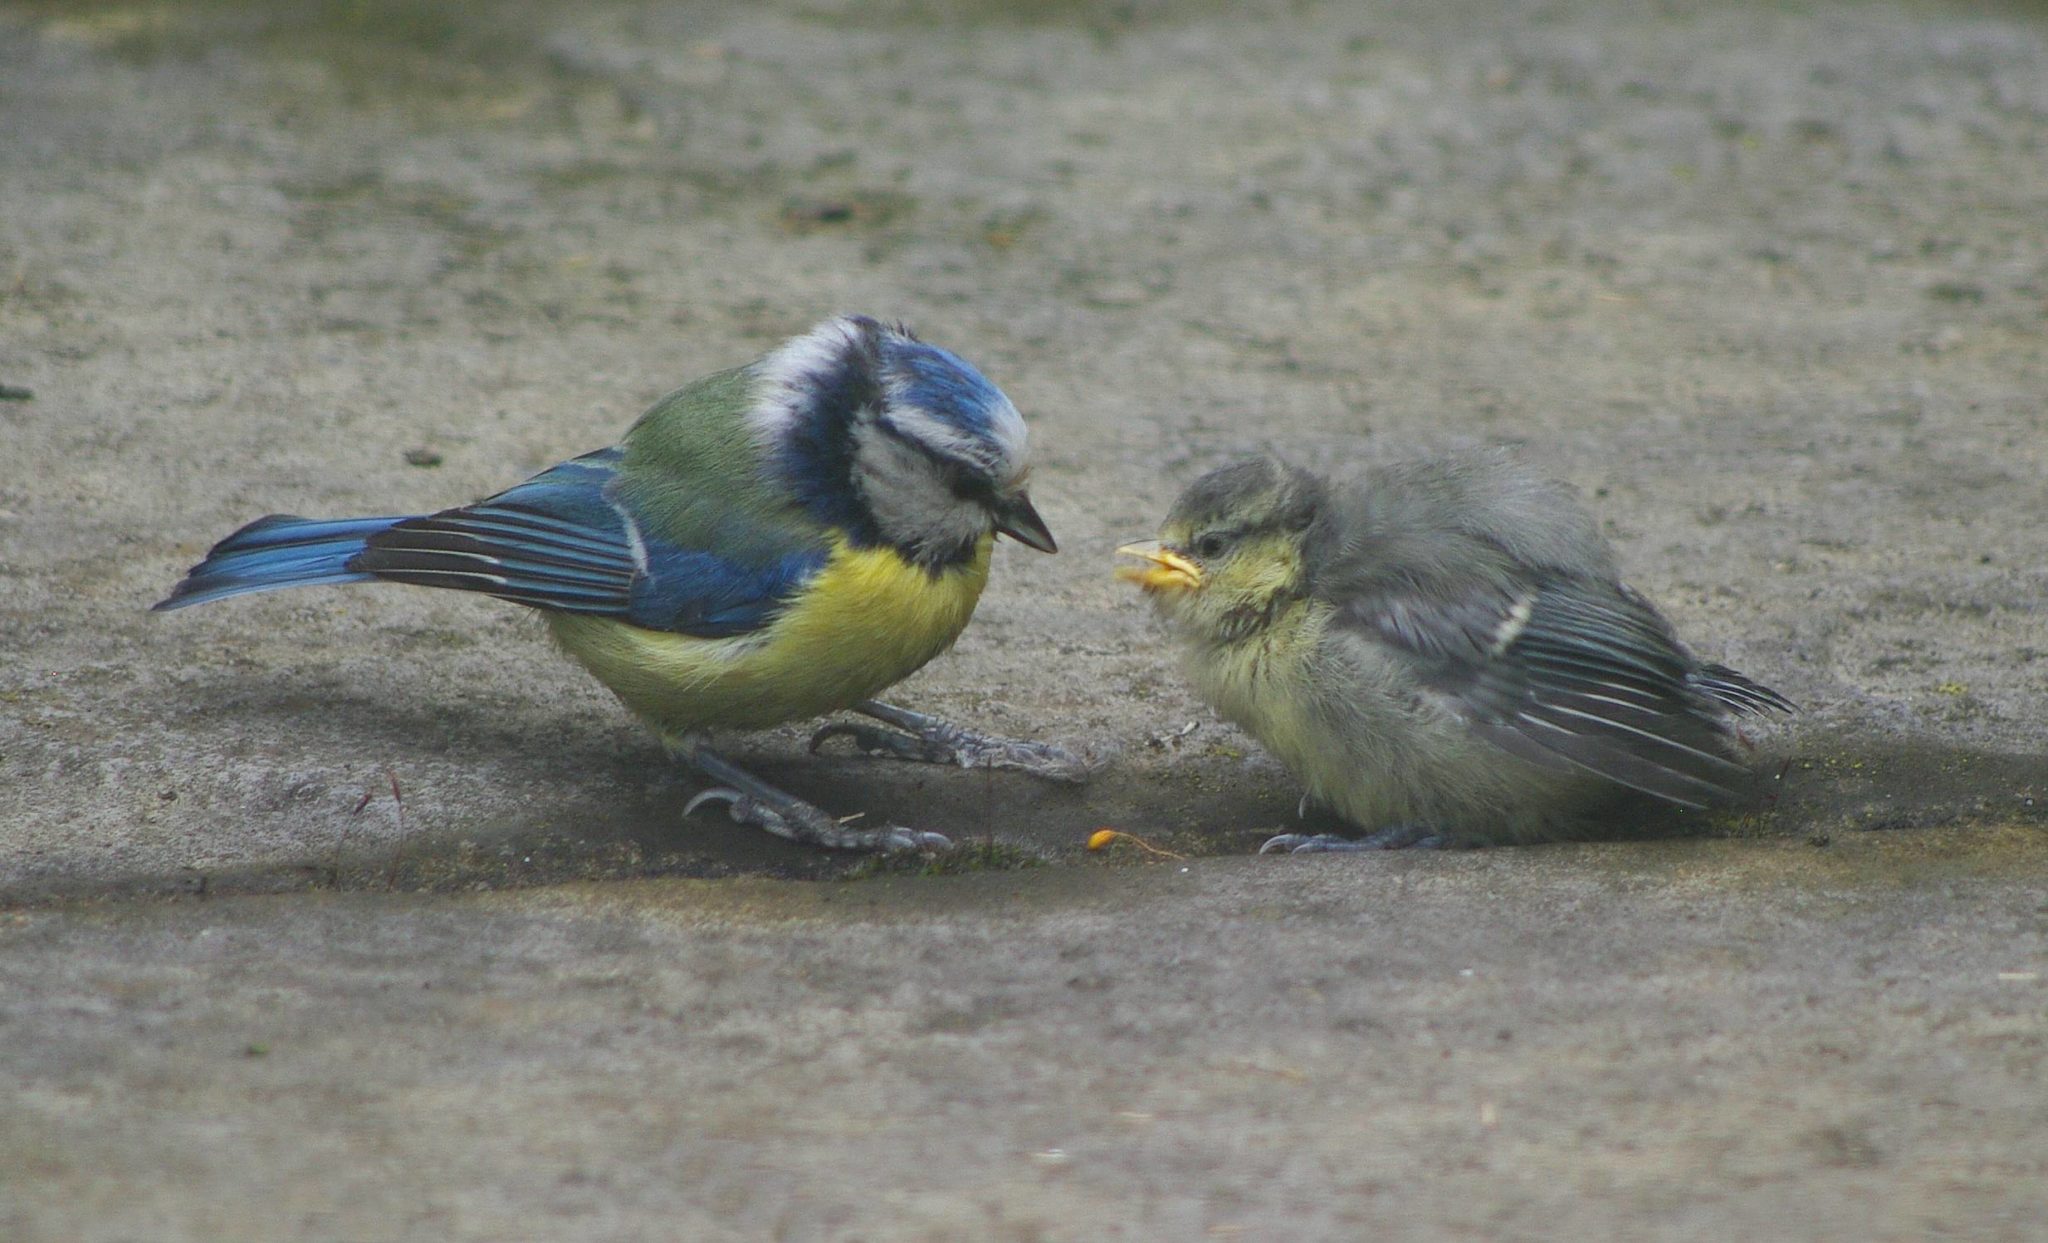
(754, 802)
(1399, 837)
(928, 740)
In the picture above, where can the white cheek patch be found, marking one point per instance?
(910, 500)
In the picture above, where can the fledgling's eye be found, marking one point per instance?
(1211, 544)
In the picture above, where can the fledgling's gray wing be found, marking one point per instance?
(1564, 672)
(1737, 692)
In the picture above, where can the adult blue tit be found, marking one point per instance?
(1442, 651)
(768, 544)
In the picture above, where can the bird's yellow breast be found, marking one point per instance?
(867, 620)
(1265, 683)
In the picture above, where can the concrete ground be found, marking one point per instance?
(359, 914)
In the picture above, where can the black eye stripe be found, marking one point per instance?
(973, 488)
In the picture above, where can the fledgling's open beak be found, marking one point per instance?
(1016, 518)
(1164, 569)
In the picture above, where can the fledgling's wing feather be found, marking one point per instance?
(1740, 693)
(1734, 691)
(568, 540)
(1562, 671)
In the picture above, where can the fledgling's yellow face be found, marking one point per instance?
(1219, 578)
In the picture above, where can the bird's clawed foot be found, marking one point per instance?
(752, 801)
(1399, 837)
(928, 740)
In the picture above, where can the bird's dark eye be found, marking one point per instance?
(1211, 544)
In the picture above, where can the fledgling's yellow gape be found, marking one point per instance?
(1442, 651)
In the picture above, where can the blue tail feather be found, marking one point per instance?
(278, 551)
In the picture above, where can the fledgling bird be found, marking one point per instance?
(770, 543)
(1442, 651)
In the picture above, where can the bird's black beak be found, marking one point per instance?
(1016, 518)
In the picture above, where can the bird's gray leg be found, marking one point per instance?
(1399, 837)
(753, 801)
(928, 740)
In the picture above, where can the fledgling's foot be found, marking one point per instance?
(928, 740)
(751, 801)
(1399, 837)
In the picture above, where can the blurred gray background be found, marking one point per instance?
(1767, 282)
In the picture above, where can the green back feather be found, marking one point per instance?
(693, 474)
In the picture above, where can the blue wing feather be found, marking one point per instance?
(567, 540)
(703, 594)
